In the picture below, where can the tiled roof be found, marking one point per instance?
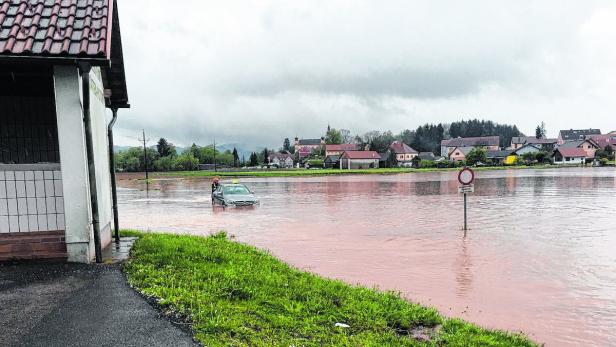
(576, 144)
(579, 134)
(497, 154)
(532, 140)
(605, 140)
(361, 155)
(402, 148)
(309, 142)
(571, 152)
(332, 158)
(464, 150)
(56, 28)
(341, 148)
(427, 156)
(472, 141)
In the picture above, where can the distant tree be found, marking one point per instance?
(333, 137)
(427, 138)
(476, 155)
(528, 157)
(406, 136)
(264, 156)
(194, 150)
(345, 136)
(187, 162)
(476, 128)
(163, 147)
(236, 157)
(541, 156)
(540, 132)
(391, 161)
(378, 141)
(254, 159)
(286, 145)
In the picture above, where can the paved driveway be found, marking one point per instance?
(79, 305)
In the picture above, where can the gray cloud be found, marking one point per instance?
(256, 72)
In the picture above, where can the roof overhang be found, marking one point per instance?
(111, 62)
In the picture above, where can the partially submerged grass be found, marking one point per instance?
(236, 295)
(331, 172)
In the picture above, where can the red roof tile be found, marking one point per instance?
(56, 28)
(572, 152)
(402, 148)
(361, 155)
(341, 148)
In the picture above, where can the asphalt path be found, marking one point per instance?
(79, 305)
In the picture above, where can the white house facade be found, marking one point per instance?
(55, 172)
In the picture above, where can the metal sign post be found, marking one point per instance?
(466, 177)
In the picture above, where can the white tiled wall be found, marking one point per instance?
(31, 201)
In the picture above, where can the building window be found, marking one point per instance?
(28, 128)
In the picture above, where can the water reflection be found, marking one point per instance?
(539, 256)
(464, 271)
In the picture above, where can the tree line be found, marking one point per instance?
(425, 138)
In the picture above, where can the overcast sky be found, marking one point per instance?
(255, 72)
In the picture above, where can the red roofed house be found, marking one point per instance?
(589, 146)
(569, 156)
(359, 160)
(404, 153)
(61, 67)
(605, 140)
(339, 149)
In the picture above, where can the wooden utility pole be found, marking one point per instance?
(145, 154)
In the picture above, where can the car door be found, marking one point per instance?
(217, 195)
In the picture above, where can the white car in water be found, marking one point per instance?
(234, 194)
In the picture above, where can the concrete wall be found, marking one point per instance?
(359, 163)
(31, 198)
(73, 160)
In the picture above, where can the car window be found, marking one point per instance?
(239, 190)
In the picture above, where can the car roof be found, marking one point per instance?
(232, 185)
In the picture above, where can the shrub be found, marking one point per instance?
(315, 163)
(427, 164)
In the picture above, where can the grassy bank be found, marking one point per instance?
(330, 172)
(236, 295)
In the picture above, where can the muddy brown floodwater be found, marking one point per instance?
(540, 256)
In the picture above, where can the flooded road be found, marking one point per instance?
(540, 255)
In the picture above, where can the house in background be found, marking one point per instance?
(305, 147)
(282, 160)
(359, 160)
(589, 146)
(545, 144)
(576, 135)
(61, 66)
(568, 156)
(489, 143)
(404, 153)
(603, 141)
(459, 153)
(500, 157)
(528, 148)
(339, 149)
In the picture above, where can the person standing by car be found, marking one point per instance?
(215, 183)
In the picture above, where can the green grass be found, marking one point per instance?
(236, 295)
(330, 172)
